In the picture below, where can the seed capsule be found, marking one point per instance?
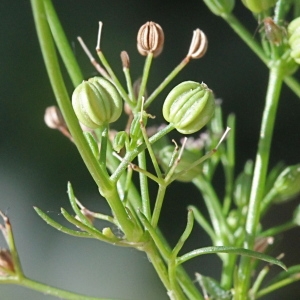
(198, 45)
(96, 102)
(220, 7)
(189, 106)
(294, 39)
(287, 185)
(258, 6)
(150, 39)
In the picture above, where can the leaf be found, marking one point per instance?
(232, 250)
(59, 227)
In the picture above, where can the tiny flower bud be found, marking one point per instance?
(125, 59)
(96, 102)
(294, 39)
(287, 185)
(108, 233)
(198, 45)
(187, 158)
(258, 6)
(220, 7)
(53, 118)
(121, 138)
(150, 39)
(189, 106)
(6, 263)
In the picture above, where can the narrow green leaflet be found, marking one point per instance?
(233, 250)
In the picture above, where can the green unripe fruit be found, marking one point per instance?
(294, 39)
(187, 158)
(97, 102)
(287, 185)
(258, 6)
(219, 7)
(189, 106)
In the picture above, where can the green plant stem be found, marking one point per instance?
(278, 229)
(49, 290)
(160, 267)
(259, 176)
(158, 205)
(143, 84)
(276, 286)
(229, 164)
(244, 34)
(144, 186)
(166, 81)
(103, 151)
(201, 220)
(115, 81)
(212, 202)
(62, 44)
(108, 190)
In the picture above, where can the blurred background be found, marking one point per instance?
(36, 163)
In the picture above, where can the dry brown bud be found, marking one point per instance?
(150, 39)
(198, 45)
(6, 263)
(262, 243)
(53, 118)
(125, 59)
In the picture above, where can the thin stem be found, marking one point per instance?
(62, 44)
(203, 222)
(158, 205)
(103, 150)
(277, 286)
(212, 202)
(49, 290)
(229, 164)
(166, 81)
(172, 261)
(144, 186)
(278, 229)
(114, 78)
(259, 175)
(258, 281)
(59, 227)
(129, 84)
(143, 84)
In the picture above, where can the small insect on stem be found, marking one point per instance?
(274, 33)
